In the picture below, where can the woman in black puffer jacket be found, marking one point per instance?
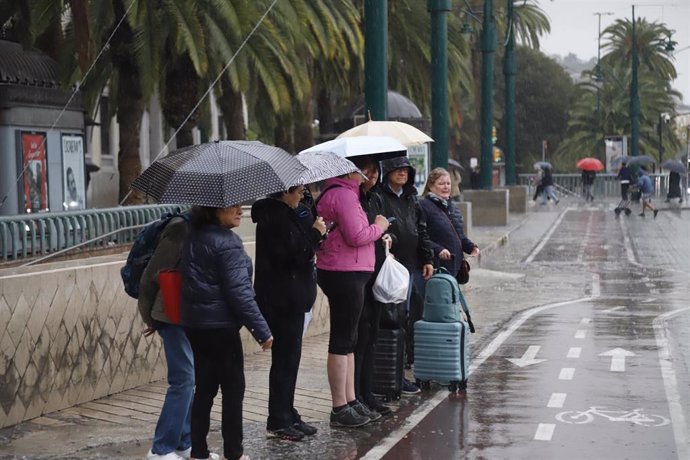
(217, 300)
(444, 223)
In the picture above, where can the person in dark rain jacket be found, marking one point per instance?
(445, 223)
(287, 237)
(217, 299)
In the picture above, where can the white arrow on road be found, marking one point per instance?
(527, 358)
(618, 356)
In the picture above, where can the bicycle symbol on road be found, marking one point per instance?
(636, 416)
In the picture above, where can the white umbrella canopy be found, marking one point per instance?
(402, 132)
(324, 165)
(348, 147)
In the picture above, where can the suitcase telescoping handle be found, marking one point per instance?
(466, 309)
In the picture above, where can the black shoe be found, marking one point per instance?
(288, 434)
(305, 428)
(363, 409)
(348, 417)
(641, 215)
(409, 388)
(377, 406)
(656, 211)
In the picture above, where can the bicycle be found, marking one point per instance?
(636, 416)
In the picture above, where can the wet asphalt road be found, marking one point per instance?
(603, 375)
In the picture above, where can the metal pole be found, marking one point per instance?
(509, 71)
(661, 141)
(439, 81)
(376, 58)
(634, 95)
(488, 42)
(599, 78)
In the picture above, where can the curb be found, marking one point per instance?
(501, 241)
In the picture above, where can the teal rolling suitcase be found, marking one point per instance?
(442, 354)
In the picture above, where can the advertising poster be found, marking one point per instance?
(419, 159)
(616, 147)
(73, 185)
(35, 172)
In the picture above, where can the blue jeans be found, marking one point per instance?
(418, 283)
(549, 193)
(173, 430)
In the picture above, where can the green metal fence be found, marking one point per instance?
(34, 235)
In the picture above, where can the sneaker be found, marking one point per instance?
(641, 214)
(377, 406)
(171, 456)
(348, 417)
(184, 453)
(288, 434)
(656, 211)
(211, 456)
(362, 409)
(408, 388)
(305, 428)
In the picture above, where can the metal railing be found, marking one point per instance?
(32, 235)
(605, 185)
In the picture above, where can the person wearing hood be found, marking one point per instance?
(345, 264)
(412, 246)
(647, 189)
(287, 237)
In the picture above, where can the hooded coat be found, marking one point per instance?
(411, 246)
(286, 242)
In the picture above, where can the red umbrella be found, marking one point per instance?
(590, 164)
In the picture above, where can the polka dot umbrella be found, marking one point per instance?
(219, 174)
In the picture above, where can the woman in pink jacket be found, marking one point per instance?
(345, 263)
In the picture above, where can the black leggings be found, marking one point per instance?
(345, 293)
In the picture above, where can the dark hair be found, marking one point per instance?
(277, 195)
(204, 215)
(364, 162)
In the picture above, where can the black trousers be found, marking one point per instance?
(287, 328)
(218, 362)
(365, 350)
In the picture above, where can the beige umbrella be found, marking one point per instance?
(402, 132)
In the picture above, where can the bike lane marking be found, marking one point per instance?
(546, 238)
(680, 430)
(580, 334)
(567, 373)
(557, 400)
(544, 432)
(574, 352)
(386, 444)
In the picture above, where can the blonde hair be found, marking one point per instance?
(434, 175)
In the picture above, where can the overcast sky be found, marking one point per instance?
(574, 28)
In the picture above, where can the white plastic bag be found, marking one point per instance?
(392, 281)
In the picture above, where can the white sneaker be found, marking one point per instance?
(184, 453)
(171, 456)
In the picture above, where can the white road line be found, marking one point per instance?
(567, 373)
(680, 430)
(392, 439)
(574, 352)
(585, 320)
(544, 432)
(583, 244)
(596, 285)
(557, 400)
(630, 252)
(614, 309)
(543, 242)
(580, 334)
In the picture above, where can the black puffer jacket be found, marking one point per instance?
(411, 245)
(217, 283)
(372, 203)
(285, 245)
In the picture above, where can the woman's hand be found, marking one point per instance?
(475, 251)
(267, 344)
(320, 225)
(444, 255)
(387, 240)
(382, 222)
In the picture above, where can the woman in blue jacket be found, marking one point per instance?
(217, 300)
(444, 223)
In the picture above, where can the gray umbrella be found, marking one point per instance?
(639, 160)
(324, 165)
(219, 174)
(675, 166)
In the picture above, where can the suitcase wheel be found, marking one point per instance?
(423, 384)
(390, 397)
(456, 386)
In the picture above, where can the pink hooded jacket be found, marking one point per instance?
(350, 245)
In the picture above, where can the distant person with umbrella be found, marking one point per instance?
(624, 176)
(674, 187)
(646, 188)
(589, 167)
(547, 183)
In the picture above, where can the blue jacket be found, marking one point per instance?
(446, 231)
(217, 283)
(645, 184)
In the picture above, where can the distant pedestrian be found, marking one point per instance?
(647, 189)
(588, 178)
(445, 223)
(455, 183)
(172, 439)
(411, 245)
(674, 187)
(624, 176)
(475, 178)
(538, 187)
(218, 299)
(287, 237)
(547, 183)
(345, 263)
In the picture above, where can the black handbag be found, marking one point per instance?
(463, 276)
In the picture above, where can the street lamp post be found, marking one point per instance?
(634, 95)
(488, 44)
(439, 77)
(509, 71)
(599, 79)
(376, 58)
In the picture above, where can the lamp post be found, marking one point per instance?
(664, 118)
(509, 71)
(376, 58)
(599, 79)
(488, 45)
(439, 81)
(634, 95)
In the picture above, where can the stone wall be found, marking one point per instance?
(69, 334)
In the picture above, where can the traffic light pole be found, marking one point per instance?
(488, 43)
(509, 71)
(376, 58)
(634, 95)
(439, 81)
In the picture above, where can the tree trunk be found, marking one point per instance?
(181, 95)
(85, 45)
(130, 109)
(230, 103)
(304, 134)
(282, 133)
(325, 108)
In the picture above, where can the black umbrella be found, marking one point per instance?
(219, 174)
(640, 160)
(675, 166)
